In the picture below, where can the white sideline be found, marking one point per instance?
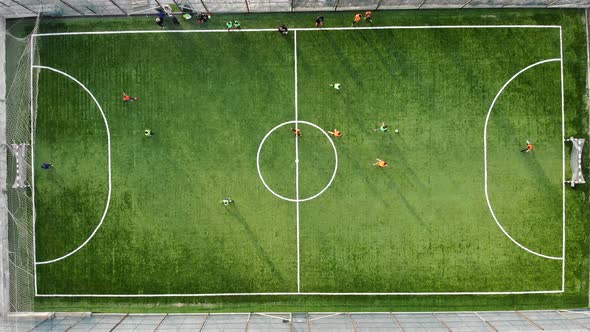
(301, 29)
(485, 149)
(299, 200)
(297, 164)
(303, 294)
(106, 209)
(563, 157)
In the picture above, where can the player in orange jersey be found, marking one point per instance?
(336, 133)
(529, 147)
(297, 131)
(380, 163)
(128, 99)
(357, 19)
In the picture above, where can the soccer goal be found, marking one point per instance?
(576, 161)
(17, 225)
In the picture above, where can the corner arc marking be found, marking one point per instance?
(485, 153)
(106, 209)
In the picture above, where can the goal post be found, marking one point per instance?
(576, 161)
(17, 124)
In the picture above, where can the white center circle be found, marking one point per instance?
(295, 199)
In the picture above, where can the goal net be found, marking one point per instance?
(576, 161)
(18, 224)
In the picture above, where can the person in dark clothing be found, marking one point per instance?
(319, 21)
(203, 18)
(283, 29)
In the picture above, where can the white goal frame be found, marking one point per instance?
(297, 200)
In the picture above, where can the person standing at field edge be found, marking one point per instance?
(369, 16)
(357, 19)
(319, 21)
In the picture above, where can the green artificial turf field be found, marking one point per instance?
(421, 225)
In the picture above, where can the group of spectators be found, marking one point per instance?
(319, 21)
(166, 11)
(235, 25)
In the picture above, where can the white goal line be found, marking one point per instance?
(400, 27)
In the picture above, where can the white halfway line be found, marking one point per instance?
(301, 29)
(297, 165)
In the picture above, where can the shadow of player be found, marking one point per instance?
(234, 211)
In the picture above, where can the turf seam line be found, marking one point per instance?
(299, 29)
(485, 150)
(106, 209)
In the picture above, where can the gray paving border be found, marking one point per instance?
(4, 267)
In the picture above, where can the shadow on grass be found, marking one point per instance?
(234, 211)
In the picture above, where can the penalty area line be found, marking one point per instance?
(109, 168)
